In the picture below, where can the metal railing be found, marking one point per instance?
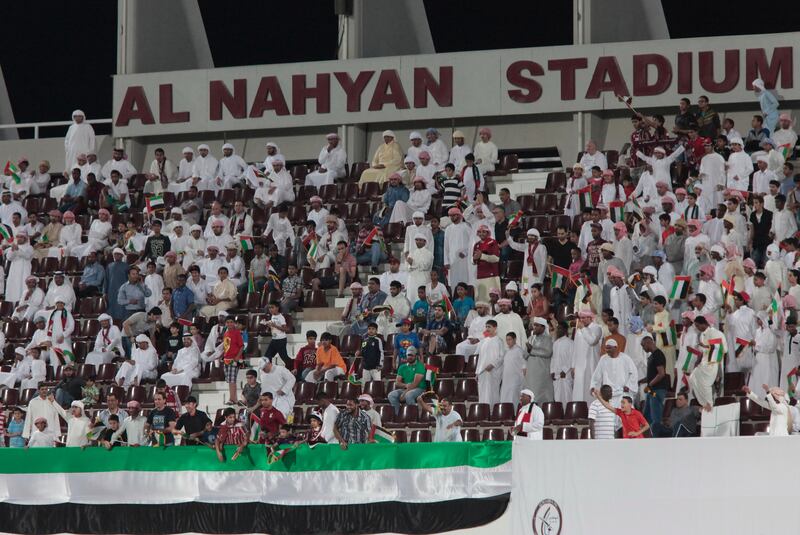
(36, 126)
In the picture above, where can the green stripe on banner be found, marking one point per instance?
(324, 457)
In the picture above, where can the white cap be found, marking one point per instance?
(195, 227)
(762, 159)
(77, 403)
(650, 270)
(222, 314)
(271, 144)
(143, 338)
(417, 214)
(458, 133)
(388, 133)
(540, 321)
(421, 236)
(512, 286)
(227, 146)
(414, 135)
(528, 392)
(187, 149)
(611, 343)
(103, 317)
(736, 141)
(533, 232)
(203, 146)
(118, 250)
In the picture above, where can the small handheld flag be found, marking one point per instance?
(381, 435)
(371, 236)
(154, 202)
(448, 306)
(430, 374)
(514, 220)
(680, 287)
(585, 197)
(741, 343)
(617, 209)
(352, 378)
(559, 277)
(251, 282)
(64, 355)
(716, 350)
(12, 171)
(6, 233)
(246, 242)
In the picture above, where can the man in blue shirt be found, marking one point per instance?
(438, 332)
(182, 299)
(395, 191)
(132, 294)
(93, 277)
(403, 340)
(74, 198)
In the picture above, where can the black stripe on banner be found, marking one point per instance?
(251, 517)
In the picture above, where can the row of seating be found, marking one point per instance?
(142, 394)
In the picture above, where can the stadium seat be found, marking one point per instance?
(357, 169)
(724, 400)
(587, 433)
(120, 393)
(349, 391)
(471, 435)
(577, 412)
(445, 388)
(400, 436)
(493, 434)
(409, 414)
(420, 435)
(27, 395)
(477, 414)
(137, 393)
(9, 397)
(370, 191)
(315, 299)
(750, 410)
(376, 390)
(527, 204)
(305, 392)
(386, 413)
(547, 433)
(734, 381)
(504, 413)
(350, 344)
(553, 410)
(567, 433)
(106, 373)
(452, 365)
(328, 388)
(466, 390)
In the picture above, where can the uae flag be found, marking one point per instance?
(5, 232)
(251, 282)
(680, 287)
(368, 488)
(585, 197)
(246, 242)
(791, 381)
(371, 236)
(559, 277)
(184, 322)
(786, 150)
(64, 356)
(12, 171)
(430, 374)
(672, 334)
(617, 209)
(312, 249)
(381, 435)
(448, 306)
(690, 352)
(716, 350)
(741, 343)
(154, 202)
(728, 287)
(352, 376)
(514, 220)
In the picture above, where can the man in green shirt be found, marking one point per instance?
(410, 381)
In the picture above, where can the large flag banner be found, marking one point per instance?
(369, 488)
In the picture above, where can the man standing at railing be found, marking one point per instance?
(79, 139)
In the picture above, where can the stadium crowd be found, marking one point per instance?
(667, 272)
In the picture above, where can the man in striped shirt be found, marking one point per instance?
(603, 420)
(230, 432)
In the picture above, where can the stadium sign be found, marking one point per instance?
(466, 84)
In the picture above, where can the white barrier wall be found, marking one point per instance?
(742, 485)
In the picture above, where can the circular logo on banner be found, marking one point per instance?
(547, 518)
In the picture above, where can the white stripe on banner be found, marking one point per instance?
(730, 486)
(278, 488)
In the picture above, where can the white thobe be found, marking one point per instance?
(282, 230)
(790, 358)
(591, 160)
(646, 188)
(712, 173)
(704, 375)
(457, 253)
(740, 324)
(42, 439)
(183, 179)
(60, 328)
(168, 174)
(284, 190)
(620, 303)
(779, 414)
(155, 283)
(69, 237)
(185, 368)
(79, 140)
(510, 322)
(739, 168)
(474, 332)
(411, 234)
(539, 260)
(587, 353)
(205, 168)
(333, 161)
(34, 304)
(623, 250)
(41, 408)
(145, 367)
(231, 169)
(661, 165)
(278, 379)
(19, 270)
(563, 362)
(419, 272)
(318, 217)
(761, 181)
(686, 360)
(531, 421)
(784, 225)
(209, 230)
(457, 154)
(329, 416)
(133, 429)
(418, 201)
(485, 156)
(125, 168)
(514, 367)
(765, 366)
(777, 274)
(105, 343)
(439, 153)
(97, 239)
(78, 428)
(619, 373)
(490, 352)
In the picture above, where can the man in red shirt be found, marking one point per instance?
(270, 419)
(230, 432)
(634, 424)
(486, 257)
(232, 349)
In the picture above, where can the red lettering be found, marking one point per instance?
(567, 68)
(757, 66)
(218, 96)
(607, 77)
(301, 92)
(353, 89)
(269, 96)
(529, 89)
(388, 90)
(684, 73)
(166, 113)
(441, 91)
(705, 62)
(641, 84)
(134, 106)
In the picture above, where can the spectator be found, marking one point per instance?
(330, 363)
(231, 432)
(42, 437)
(602, 418)
(329, 416)
(17, 427)
(39, 407)
(69, 389)
(142, 365)
(279, 382)
(485, 151)
(306, 360)
(251, 390)
(371, 353)
(682, 419)
(352, 426)
(448, 421)
(656, 382)
(756, 135)
(133, 426)
(410, 382)
(78, 425)
(112, 408)
(633, 423)
(707, 119)
(388, 159)
(530, 418)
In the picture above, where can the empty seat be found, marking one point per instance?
(315, 299)
(452, 365)
(445, 388)
(305, 392)
(493, 434)
(477, 414)
(327, 388)
(349, 391)
(553, 410)
(420, 435)
(471, 435)
(408, 414)
(375, 389)
(386, 412)
(9, 397)
(587, 433)
(466, 390)
(567, 433)
(504, 413)
(350, 344)
(577, 411)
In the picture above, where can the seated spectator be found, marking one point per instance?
(418, 201)
(330, 363)
(222, 297)
(682, 420)
(306, 360)
(410, 382)
(388, 159)
(344, 271)
(438, 332)
(369, 247)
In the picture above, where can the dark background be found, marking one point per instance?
(58, 56)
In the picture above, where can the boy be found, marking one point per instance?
(403, 340)
(285, 436)
(270, 419)
(14, 429)
(90, 392)
(233, 347)
(278, 329)
(420, 309)
(306, 359)
(230, 432)
(371, 353)
(41, 437)
(251, 390)
(633, 423)
(291, 290)
(452, 188)
(330, 363)
(105, 439)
